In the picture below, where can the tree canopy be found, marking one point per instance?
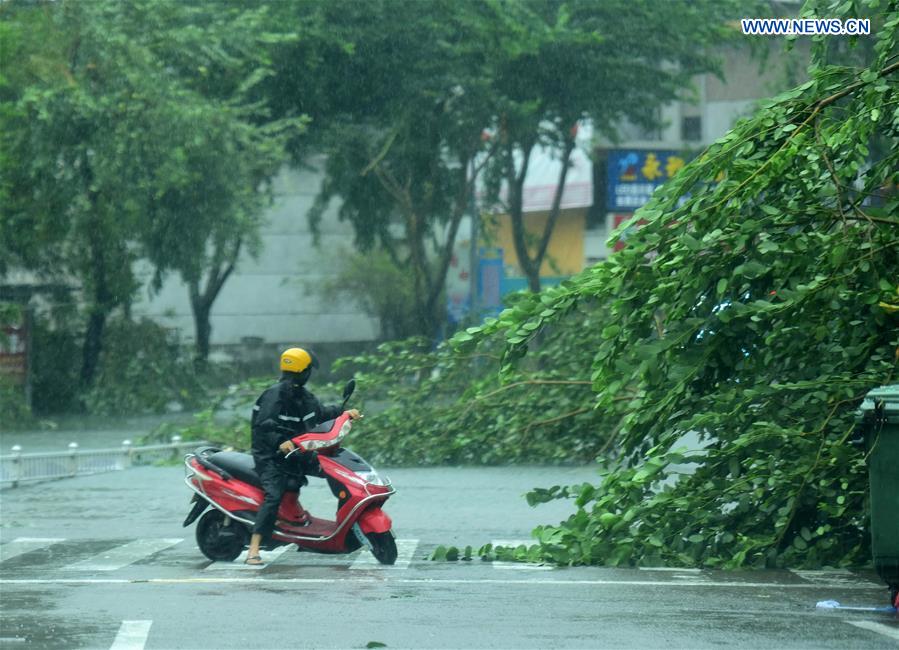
(457, 89)
(130, 131)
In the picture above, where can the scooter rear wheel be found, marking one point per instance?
(218, 541)
(383, 546)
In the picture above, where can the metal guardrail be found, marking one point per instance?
(18, 468)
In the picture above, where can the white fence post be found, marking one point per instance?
(16, 465)
(73, 459)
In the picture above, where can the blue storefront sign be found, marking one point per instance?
(633, 175)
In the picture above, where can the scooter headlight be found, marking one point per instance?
(311, 445)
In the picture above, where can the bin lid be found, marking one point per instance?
(886, 395)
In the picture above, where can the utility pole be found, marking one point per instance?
(474, 253)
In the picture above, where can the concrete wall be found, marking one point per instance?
(273, 299)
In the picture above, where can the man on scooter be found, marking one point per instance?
(283, 411)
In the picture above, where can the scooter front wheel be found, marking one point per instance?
(219, 539)
(383, 546)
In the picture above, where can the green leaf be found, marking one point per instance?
(610, 331)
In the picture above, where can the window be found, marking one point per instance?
(691, 129)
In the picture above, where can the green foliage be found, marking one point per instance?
(382, 289)
(428, 406)
(55, 386)
(745, 313)
(442, 407)
(142, 378)
(132, 130)
(225, 421)
(14, 411)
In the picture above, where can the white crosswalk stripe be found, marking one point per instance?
(831, 576)
(22, 545)
(405, 551)
(880, 628)
(268, 557)
(122, 556)
(686, 574)
(132, 635)
(520, 566)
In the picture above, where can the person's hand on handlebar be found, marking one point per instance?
(286, 447)
(355, 414)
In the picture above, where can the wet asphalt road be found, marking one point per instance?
(103, 562)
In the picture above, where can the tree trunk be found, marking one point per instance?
(202, 299)
(531, 265)
(102, 298)
(516, 180)
(93, 345)
(203, 329)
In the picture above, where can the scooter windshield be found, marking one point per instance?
(324, 427)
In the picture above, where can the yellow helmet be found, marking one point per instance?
(297, 360)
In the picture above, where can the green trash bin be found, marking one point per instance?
(878, 419)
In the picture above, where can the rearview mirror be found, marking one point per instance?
(348, 389)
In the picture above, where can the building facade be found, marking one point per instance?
(279, 298)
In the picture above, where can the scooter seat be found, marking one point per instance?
(243, 467)
(240, 466)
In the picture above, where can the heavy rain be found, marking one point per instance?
(449, 324)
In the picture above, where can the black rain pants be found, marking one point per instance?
(274, 484)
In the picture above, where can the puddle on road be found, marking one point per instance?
(30, 631)
(57, 555)
(28, 620)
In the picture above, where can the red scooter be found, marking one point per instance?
(227, 481)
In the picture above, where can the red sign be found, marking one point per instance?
(14, 353)
(617, 219)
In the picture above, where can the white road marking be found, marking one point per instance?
(405, 550)
(521, 566)
(122, 556)
(831, 576)
(22, 545)
(517, 566)
(681, 575)
(363, 578)
(132, 635)
(880, 628)
(269, 557)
